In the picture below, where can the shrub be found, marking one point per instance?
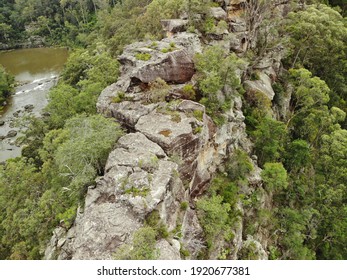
(198, 115)
(188, 92)
(119, 97)
(158, 89)
(184, 205)
(143, 56)
(142, 247)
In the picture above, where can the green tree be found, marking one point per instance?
(217, 71)
(318, 38)
(270, 138)
(213, 215)
(274, 176)
(6, 84)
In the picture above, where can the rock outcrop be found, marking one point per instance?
(169, 157)
(172, 149)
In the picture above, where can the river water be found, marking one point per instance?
(36, 70)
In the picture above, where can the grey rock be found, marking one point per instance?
(138, 178)
(255, 248)
(57, 241)
(2, 123)
(128, 113)
(238, 26)
(175, 66)
(174, 25)
(167, 251)
(262, 85)
(238, 42)
(11, 133)
(218, 13)
(189, 41)
(29, 107)
(192, 234)
(100, 230)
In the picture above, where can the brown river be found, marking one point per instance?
(36, 70)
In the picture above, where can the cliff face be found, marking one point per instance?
(170, 153)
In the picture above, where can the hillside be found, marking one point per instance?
(183, 129)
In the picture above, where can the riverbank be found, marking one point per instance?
(31, 42)
(36, 71)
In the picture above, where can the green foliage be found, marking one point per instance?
(318, 38)
(298, 155)
(297, 226)
(158, 90)
(85, 75)
(197, 130)
(35, 200)
(213, 216)
(142, 247)
(227, 189)
(132, 20)
(198, 115)
(119, 97)
(143, 56)
(216, 71)
(274, 176)
(270, 137)
(184, 205)
(238, 166)
(188, 92)
(153, 220)
(20, 189)
(171, 48)
(6, 84)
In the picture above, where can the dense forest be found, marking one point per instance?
(301, 147)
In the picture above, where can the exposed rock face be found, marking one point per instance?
(218, 13)
(11, 133)
(253, 247)
(174, 25)
(169, 62)
(171, 152)
(169, 158)
(139, 178)
(168, 251)
(263, 85)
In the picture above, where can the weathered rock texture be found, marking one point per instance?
(172, 151)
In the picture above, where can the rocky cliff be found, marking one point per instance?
(171, 151)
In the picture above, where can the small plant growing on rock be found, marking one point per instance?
(197, 130)
(188, 92)
(176, 117)
(143, 56)
(119, 97)
(134, 191)
(158, 89)
(198, 115)
(171, 48)
(184, 205)
(154, 221)
(154, 45)
(142, 247)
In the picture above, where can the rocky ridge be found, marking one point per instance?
(170, 153)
